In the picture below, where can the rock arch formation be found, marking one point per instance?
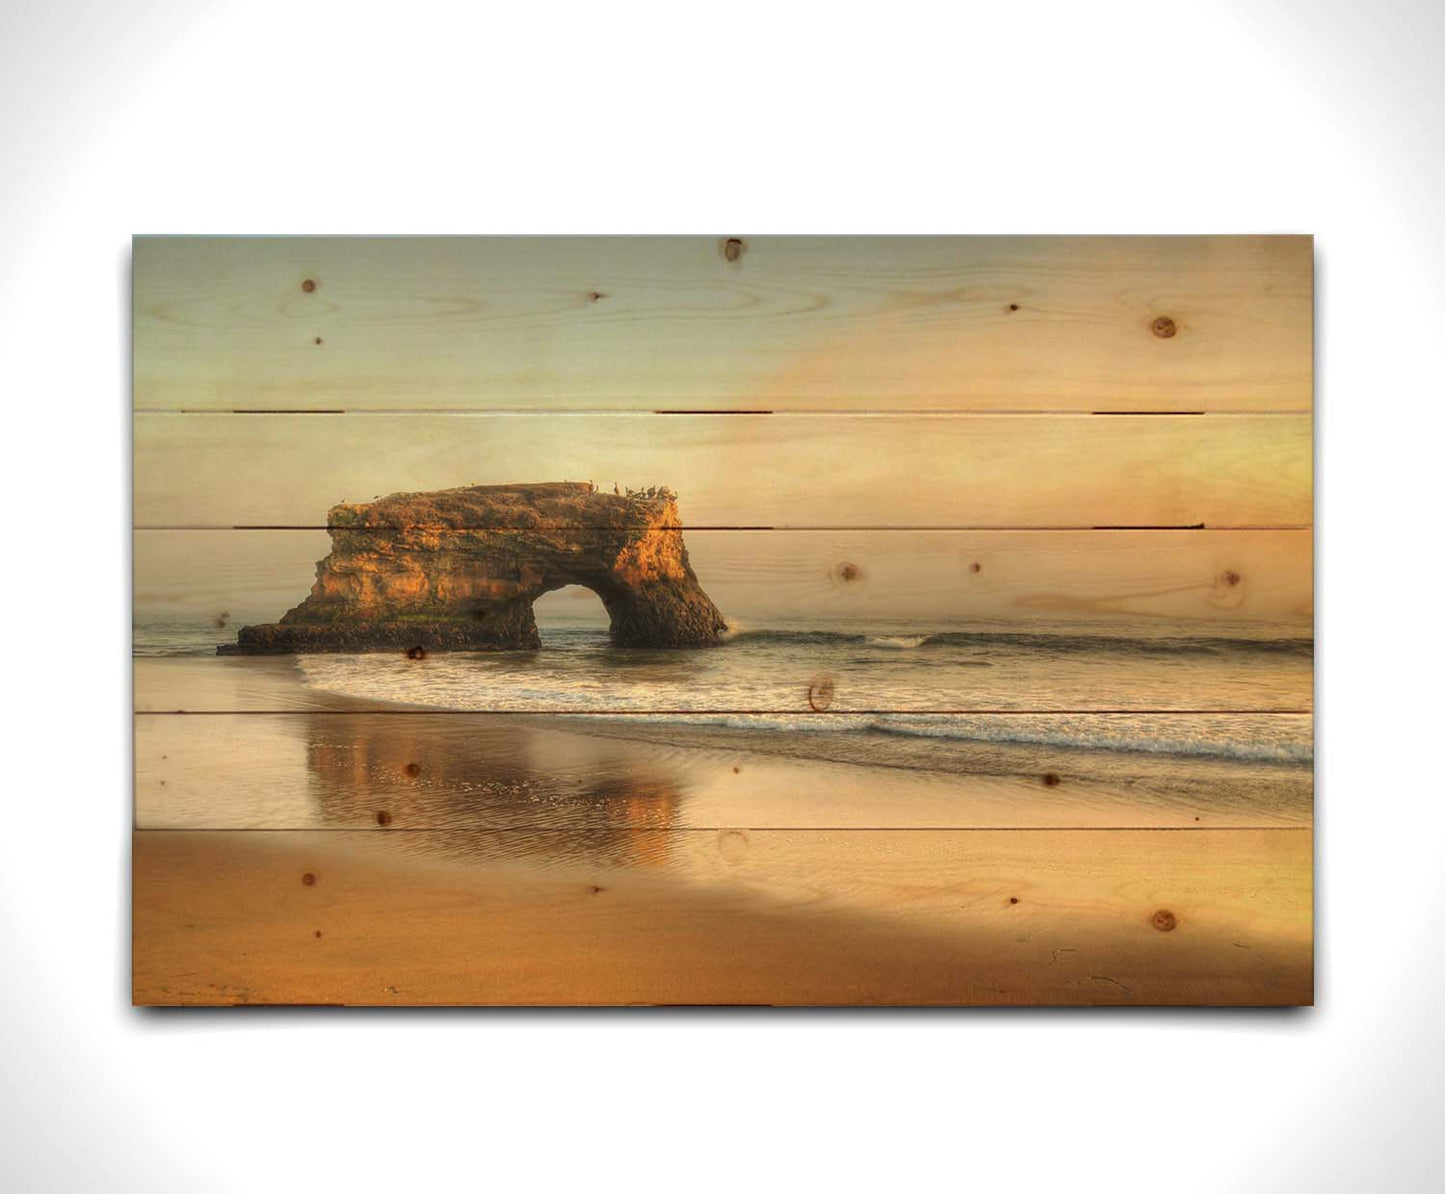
(459, 569)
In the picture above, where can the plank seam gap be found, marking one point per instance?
(470, 412)
(801, 714)
(535, 829)
(382, 529)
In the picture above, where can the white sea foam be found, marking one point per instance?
(878, 682)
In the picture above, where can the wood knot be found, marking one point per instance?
(318, 932)
(317, 340)
(1013, 899)
(732, 844)
(1228, 592)
(849, 572)
(1164, 920)
(975, 567)
(412, 769)
(732, 249)
(820, 694)
(1013, 306)
(594, 889)
(1164, 327)
(595, 296)
(383, 817)
(1051, 779)
(308, 880)
(309, 285)
(416, 653)
(737, 770)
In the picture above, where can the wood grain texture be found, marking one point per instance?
(792, 323)
(1240, 583)
(397, 772)
(873, 917)
(984, 471)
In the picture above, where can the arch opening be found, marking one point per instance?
(568, 611)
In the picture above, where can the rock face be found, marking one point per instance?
(458, 569)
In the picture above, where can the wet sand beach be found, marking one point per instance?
(316, 845)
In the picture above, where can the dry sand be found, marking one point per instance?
(982, 918)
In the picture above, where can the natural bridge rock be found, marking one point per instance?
(458, 569)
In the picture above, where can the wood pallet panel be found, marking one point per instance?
(1014, 540)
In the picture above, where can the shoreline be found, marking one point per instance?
(344, 767)
(464, 857)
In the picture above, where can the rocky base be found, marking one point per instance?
(357, 638)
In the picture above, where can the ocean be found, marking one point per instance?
(765, 671)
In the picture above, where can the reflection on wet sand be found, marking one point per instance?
(553, 795)
(543, 799)
(399, 771)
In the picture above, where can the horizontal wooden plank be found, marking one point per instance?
(757, 676)
(198, 470)
(887, 917)
(1228, 583)
(397, 772)
(781, 323)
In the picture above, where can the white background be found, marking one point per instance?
(745, 118)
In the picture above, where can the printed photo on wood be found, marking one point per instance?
(723, 620)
